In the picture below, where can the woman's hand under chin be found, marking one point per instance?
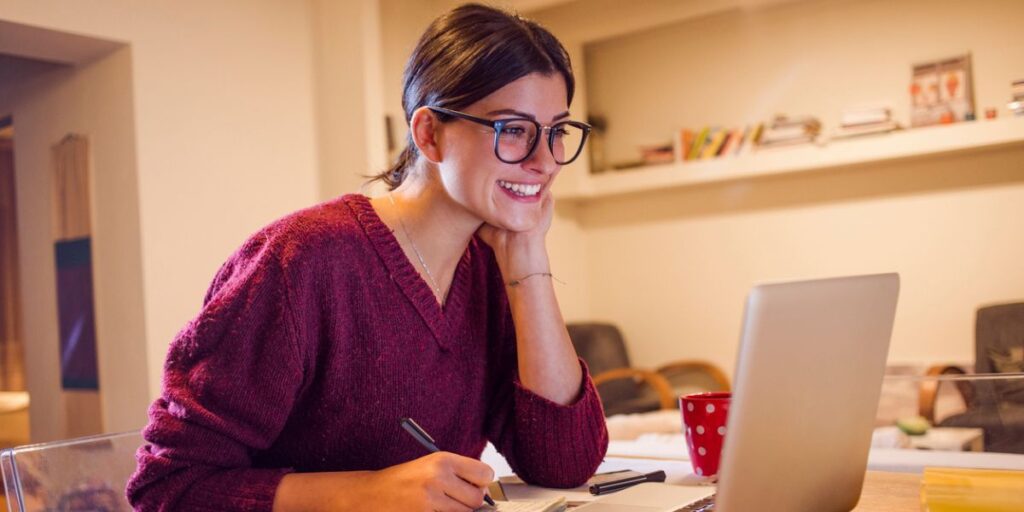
(521, 252)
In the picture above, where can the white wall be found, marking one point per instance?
(813, 57)
(349, 113)
(225, 134)
(94, 99)
(672, 268)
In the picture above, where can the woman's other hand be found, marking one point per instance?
(442, 481)
(525, 252)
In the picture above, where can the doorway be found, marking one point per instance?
(14, 426)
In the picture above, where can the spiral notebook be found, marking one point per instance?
(552, 505)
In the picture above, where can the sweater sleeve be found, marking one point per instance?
(544, 442)
(230, 381)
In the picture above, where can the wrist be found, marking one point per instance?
(537, 276)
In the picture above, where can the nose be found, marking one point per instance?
(542, 160)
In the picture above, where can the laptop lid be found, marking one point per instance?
(808, 379)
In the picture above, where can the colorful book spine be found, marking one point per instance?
(698, 144)
(711, 149)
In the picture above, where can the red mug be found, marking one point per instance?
(704, 417)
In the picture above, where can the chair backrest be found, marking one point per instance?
(600, 345)
(998, 330)
(85, 474)
(999, 348)
(603, 348)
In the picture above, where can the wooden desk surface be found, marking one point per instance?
(883, 492)
(890, 492)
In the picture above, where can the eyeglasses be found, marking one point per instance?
(515, 139)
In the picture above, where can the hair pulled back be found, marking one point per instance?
(464, 56)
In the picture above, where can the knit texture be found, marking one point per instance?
(316, 337)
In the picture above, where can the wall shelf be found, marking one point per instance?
(917, 143)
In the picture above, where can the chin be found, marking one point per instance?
(515, 225)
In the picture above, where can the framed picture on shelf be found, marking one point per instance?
(941, 92)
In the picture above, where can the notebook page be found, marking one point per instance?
(552, 505)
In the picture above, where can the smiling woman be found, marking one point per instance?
(433, 302)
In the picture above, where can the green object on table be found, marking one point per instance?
(913, 425)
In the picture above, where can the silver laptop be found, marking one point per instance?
(808, 378)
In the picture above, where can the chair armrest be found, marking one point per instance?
(689, 365)
(928, 390)
(666, 397)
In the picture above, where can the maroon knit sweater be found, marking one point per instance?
(314, 339)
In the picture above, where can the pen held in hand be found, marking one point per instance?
(618, 485)
(428, 442)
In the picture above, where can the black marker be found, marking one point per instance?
(618, 485)
(424, 439)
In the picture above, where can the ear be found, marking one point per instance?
(425, 129)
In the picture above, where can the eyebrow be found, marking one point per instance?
(508, 111)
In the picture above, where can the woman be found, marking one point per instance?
(432, 302)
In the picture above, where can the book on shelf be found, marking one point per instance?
(698, 143)
(755, 138)
(858, 121)
(1017, 89)
(730, 142)
(657, 154)
(785, 131)
(845, 132)
(744, 133)
(865, 116)
(783, 121)
(1016, 105)
(714, 144)
(686, 138)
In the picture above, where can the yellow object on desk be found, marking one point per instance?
(974, 490)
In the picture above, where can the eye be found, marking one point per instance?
(560, 132)
(513, 130)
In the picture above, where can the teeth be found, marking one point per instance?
(520, 189)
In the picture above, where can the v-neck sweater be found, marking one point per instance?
(315, 338)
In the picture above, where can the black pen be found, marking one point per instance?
(618, 485)
(424, 439)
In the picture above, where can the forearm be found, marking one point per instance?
(311, 492)
(548, 363)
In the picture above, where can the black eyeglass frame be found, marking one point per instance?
(498, 124)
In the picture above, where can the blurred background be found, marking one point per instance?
(735, 142)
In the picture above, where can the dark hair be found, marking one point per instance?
(467, 54)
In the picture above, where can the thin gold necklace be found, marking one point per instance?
(415, 250)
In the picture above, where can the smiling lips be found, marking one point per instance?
(520, 189)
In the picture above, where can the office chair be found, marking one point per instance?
(996, 406)
(77, 475)
(625, 389)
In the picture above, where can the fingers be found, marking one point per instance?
(472, 470)
(463, 493)
(463, 479)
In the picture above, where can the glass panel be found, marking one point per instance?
(954, 411)
(77, 475)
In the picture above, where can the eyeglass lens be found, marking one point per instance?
(516, 139)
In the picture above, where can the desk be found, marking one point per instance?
(892, 483)
(883, 492)
(890, 492)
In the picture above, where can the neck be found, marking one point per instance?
(439, 229)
